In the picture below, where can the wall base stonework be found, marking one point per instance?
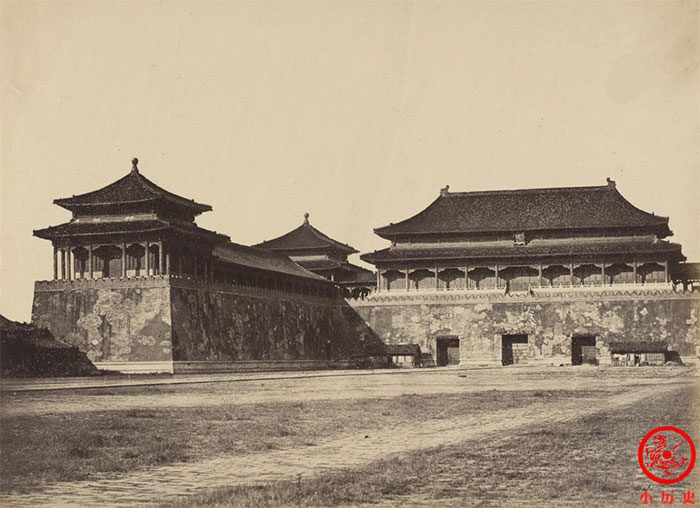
(165, 367)
(550, 321)
(249, 366)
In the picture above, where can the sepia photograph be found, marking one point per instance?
(340, 253)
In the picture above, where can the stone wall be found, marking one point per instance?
(239, 325)
(112, 322)
(167, 324)
(549, 321)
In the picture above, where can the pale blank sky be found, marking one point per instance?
(356, 112)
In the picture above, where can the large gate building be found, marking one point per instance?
(549, 276)
(537, 276)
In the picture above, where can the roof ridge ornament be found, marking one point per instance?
(306, 217)
(134, 165)
(445, 190)
(611, 182)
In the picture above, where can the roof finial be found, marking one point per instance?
(445, 190)
(611, 182)
(306, 217)
(135, 165)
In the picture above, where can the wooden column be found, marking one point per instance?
(69, 257)
(123, 259)
(379, 279)
(539, 272)
(147, 261)
(665, 263)
(63, 264)
(466, 276)
(166, 271)
(161, 258)
(571, 272)
(496, 270)
(436, 279)
(634, 271)
(55, 262)
(602, 272)
(89, 260)
(406, 279)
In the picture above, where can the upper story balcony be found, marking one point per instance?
(496, 282)
(513, 278)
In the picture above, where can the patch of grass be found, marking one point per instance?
(591, 461)
(140, 413)
(74, 446)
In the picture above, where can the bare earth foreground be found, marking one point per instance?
(446, 436)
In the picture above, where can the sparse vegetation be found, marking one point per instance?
(74, 446)
(588, 462)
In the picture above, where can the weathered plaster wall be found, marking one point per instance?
(218, 325)
(157, 321)
(110, 323)
(549, 325)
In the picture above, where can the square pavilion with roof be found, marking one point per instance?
(321, 254)
(140, 287)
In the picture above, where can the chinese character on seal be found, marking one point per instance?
(666, 454)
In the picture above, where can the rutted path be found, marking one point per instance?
(161, 484)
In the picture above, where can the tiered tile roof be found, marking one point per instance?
(527, 210)
(261, 259)
(305, 237)
(527, 252)
(132, 188)
(76, 229)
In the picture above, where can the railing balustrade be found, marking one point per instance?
(502, 288)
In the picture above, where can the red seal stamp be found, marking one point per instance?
(666, 454)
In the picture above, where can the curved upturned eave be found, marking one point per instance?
(388, 254)
(156, 192)
(390, 232)
(69, 230)
(326, 242)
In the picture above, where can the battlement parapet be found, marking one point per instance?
(106, 282)
(158, 281)
(252, 291)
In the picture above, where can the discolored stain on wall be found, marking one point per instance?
(549, 325)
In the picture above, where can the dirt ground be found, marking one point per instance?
(160, 444)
